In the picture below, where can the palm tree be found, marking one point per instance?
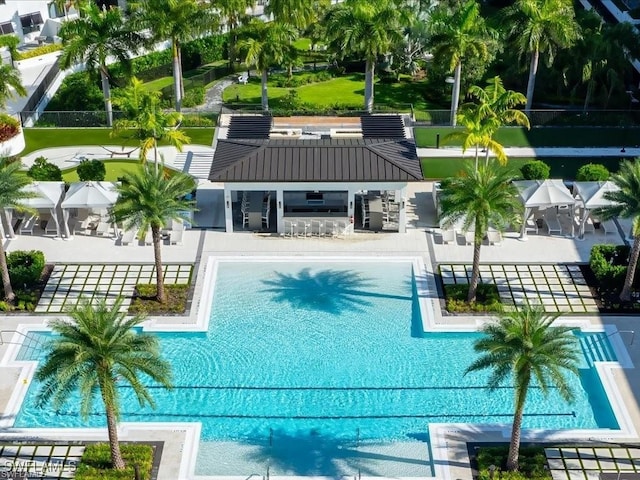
(264, 45)
(10, 78)
(523, 346)
(497, 102)
(456, 35)
(297, 13)
(146, 119)
(540, 27)
(233, 12)
(368, 29)
(98, 350)
(175, 20)
(93, 38)
(12, 196)
(627, 205)
(149, 199)
(480, 197)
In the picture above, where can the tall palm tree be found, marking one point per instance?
(93, 38)
(264, 45)
(627, 205)
(522, 346)
(233, 12)
(480, 197)
(12, 196)
(149, 199)
(368, 29)
(175, 20)
(297, 13)
(10, 79)
(540, 27)
(497, 102)
(147, 121)
(97, 350)
(458, 34)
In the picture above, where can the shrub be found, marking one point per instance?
(36, 52)
(535, 170)
(487, 298)
(11, 42)
(91, 170)
(9, 127)
(44, 171)
(203, 50)
(531, 460)
(193, 97)
(78, 92)
(96, 462)
(195, 120)
(25, 268)
(592, 172)
(609, 265)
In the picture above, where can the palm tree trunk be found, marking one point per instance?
(112, 429)
(157, 241)
(368, 85)
(516, 429)
(9, 295)
(106, 91)
(531, 84)
(265, 97)
(177, 80)
(625, 295)
(587, 98)
(476, 159)
(475, 271)
(181, 76)
(455, 94)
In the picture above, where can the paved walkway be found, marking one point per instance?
(535, 152)
(45, 461)
(586, 463)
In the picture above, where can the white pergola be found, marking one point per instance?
(592, 196)
(543, 194)
(47, 197)
(90, 196)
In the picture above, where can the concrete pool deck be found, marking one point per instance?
(450, 440)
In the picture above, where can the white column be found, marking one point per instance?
(65, 224)
(351, 201)
(228, 210)
(54, 216)
(401, 198)
(280, 210)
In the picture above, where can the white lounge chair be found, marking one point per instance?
(27, 225)
(128, 236)
(494, 237)
(553, 223)
(531, 226)
(175, 236)
(448, 236)
(469, 237)
(609, 226)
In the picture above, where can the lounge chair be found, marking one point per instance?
(27, 225)
(469, 237)
(148, 238)
(128, 236)
(609, 226)
(448, 236)
(175, 236)
(494, 237)
(553, 223)
(531, 226)
(102, 228)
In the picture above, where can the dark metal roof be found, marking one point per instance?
(382, 126)
(335, 160)
(250, 126)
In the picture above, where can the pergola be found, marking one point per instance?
(592, 195)
(543, 194)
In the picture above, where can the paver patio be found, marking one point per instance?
(559, 288)
(586, 463)
(40, 461)
(71, 282)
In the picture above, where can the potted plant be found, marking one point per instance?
(11, 136)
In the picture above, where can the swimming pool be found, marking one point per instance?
(322, 355)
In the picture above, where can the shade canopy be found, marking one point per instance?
(48, 194)
(544, 193)
(593, 194)
(91, 195)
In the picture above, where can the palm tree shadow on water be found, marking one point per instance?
(309, 453)
(330, 291)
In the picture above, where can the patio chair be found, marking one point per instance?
(128, 236)
(102, 228)
(317, 227)
(469, 237)
(51, 227)
(175, 237)
(330, 228)
(27, 225)
(609, 226)
(494, 237)
(303, 228)
(531, 226)
(289, 229)
(553, 223)
(448, 235)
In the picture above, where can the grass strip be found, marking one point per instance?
(95, 463)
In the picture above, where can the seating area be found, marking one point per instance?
(172, 234)
(310, 227)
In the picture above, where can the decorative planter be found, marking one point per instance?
(13, 146)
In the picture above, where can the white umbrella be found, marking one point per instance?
(593, 195)
(543, 193)
(47, 196)
(89, 195)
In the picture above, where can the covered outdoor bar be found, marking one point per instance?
(324, 187)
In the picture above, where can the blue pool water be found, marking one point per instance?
(334, 350)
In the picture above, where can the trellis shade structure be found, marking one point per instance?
(543, 194)
(592, 195)
(89, 195)
(48, 196)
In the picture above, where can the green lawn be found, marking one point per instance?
(158, 84)
(38, 138)
(114, 170)
(561, 167)
(347, 91)
(543, 136)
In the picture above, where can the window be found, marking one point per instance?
(6, 28)
(31, 22)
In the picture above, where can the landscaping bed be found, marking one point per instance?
(96, 462)
(487, 299)
(532, 462)
(144, 300)
(29, 275)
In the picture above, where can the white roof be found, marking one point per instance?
(91, 195)
(592, 194)
(48, 194)
(544, 193)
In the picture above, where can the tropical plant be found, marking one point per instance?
(456, 34)
(540, 27)
(178, 21)
(148, 199)
(97, 350)
(91, 170)
(44, 171)
(524, 347)
(498, 103)
(96, 36)
(10, 79)
(233, 13)
(297, 13)
(535, 170)
(593, 172)
(627, 205)
(368, 30)
(266, 44)
(146, 120)
(9, 127)
(480, 198)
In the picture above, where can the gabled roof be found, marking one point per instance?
(334, 160)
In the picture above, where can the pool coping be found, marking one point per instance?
(439, 433)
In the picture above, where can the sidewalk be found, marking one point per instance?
(536, 152)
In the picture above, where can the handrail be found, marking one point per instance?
(2, 342)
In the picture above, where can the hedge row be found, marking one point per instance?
(609, 265)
